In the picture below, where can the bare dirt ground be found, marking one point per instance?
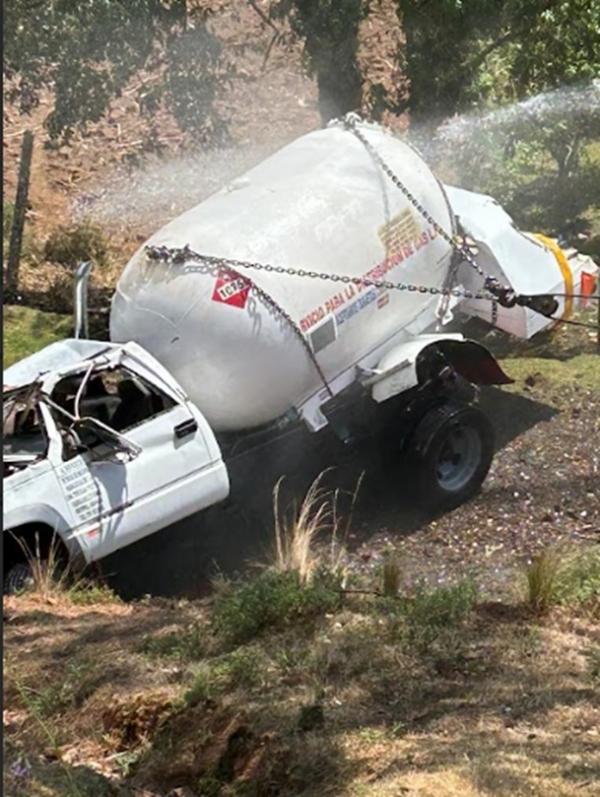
(542, 490)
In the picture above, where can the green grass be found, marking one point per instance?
(583, 370)
(552, 361)
(272, 599)
(187, 645)
(27, 331)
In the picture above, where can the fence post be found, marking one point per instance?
(16, 233)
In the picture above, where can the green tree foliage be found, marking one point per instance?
(555, 44)
(462, 52)
(86, 51)
(444, 42)
(457, 53)
(535, 155)
(329, 29)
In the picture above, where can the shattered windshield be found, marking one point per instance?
(23, 431)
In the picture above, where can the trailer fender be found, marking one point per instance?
(410, 364)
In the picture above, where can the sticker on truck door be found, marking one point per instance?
(80, 489)
(231, 288)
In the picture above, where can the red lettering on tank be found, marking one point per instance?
(311, 319)
(422, 240)
(377, 273)
(334, 303)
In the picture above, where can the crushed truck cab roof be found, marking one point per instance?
(59, 356)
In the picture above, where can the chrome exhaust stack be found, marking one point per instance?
(81, 319)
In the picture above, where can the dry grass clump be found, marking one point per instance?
(561, 575)
(295, 538)
(391, 574)
(542, 580)
(297, 535)
(45, 573)
(69, 245)
(43, 569)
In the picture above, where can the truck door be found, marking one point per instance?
(169, 467)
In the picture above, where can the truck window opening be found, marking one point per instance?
(24, 438)
(114, 396)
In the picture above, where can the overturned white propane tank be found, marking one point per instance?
(322, 204)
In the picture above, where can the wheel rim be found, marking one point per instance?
(459, 458)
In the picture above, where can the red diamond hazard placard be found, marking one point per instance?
(231, 288)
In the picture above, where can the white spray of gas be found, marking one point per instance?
(457, 136)
(147, 198)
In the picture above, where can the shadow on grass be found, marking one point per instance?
(57, 779)
(219, 750)
(490, 696)
(491, 703)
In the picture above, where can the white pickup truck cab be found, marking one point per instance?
(101, 445)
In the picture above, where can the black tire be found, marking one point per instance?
(18, 579)
(451, 452)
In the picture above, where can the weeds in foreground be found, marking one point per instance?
(39, 707)
(244, 668)
(51, 698)
(186, 645)
(208, 683)
(383, 668)
(579, 579)
(442, 607)
(428, 616)
(85, 592)
(272, 600)
(559, 575)
(45, 573)
(303, 579)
